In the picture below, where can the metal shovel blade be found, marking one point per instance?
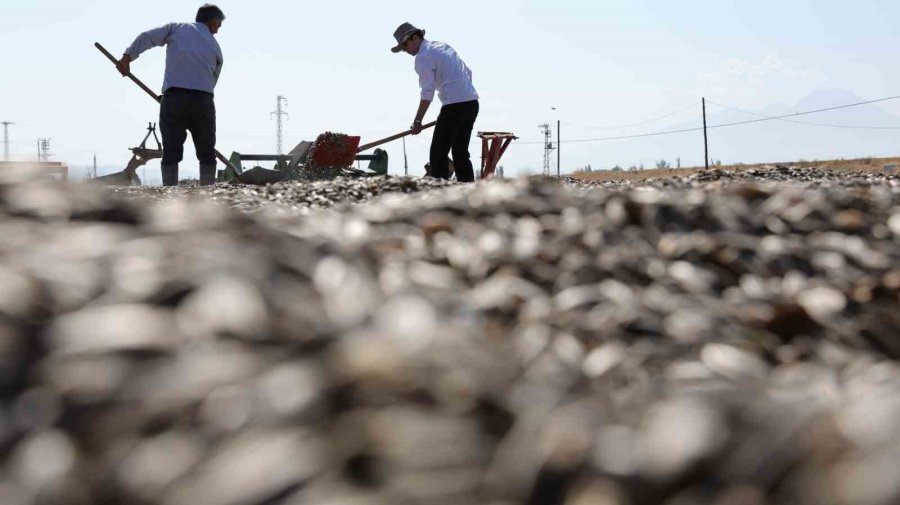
(334, 150)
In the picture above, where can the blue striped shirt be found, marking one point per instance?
(193, 56)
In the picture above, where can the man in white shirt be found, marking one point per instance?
(441, 69)
(193, 64)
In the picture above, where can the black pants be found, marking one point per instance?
(187, 110)
(453, 133)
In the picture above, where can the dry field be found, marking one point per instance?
(864, 165)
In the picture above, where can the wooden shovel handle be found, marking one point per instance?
(130, 75)
(377, 143)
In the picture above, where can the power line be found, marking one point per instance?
(624, 137)
(806, 122)
(738, 123)
(660, 118)
(58, 146)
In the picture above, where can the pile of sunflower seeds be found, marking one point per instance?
(285, 196)
(335, 143)
(523, 341)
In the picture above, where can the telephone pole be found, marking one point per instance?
(558, 142)
(705, 138)
(6, 125)
(405, 163)
(44, 150)
(548, 146)
(279, 113)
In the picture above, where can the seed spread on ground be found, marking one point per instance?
(729, 337)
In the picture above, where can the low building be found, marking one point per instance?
(58, 170)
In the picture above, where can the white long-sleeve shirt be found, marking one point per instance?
(193, 56)
(441, 69)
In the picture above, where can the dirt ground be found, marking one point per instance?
(868, 165)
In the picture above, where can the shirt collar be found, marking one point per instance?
(423, 47)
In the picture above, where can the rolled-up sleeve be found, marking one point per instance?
(427, 78)
(152, 38)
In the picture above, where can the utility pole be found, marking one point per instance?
(558, 146)
(44, 150)
(6, 125)
(279, 112)
(558, 143)
(548, 146)
(94, 170)
(705, 138)
(405, 163)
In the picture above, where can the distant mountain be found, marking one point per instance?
(825, 98)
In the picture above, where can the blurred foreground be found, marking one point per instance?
(719, 339)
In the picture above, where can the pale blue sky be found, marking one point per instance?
(599, 63)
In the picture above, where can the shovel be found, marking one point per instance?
(342, 154)
(158, 99)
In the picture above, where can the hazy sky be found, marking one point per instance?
(598, 63)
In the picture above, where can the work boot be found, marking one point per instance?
(207, 174)
(170, 175)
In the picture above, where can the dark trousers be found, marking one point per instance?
(453, 132)
(187, 110)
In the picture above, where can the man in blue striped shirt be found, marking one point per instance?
(193, 64)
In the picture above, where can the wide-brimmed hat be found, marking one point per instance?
(403, 32)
